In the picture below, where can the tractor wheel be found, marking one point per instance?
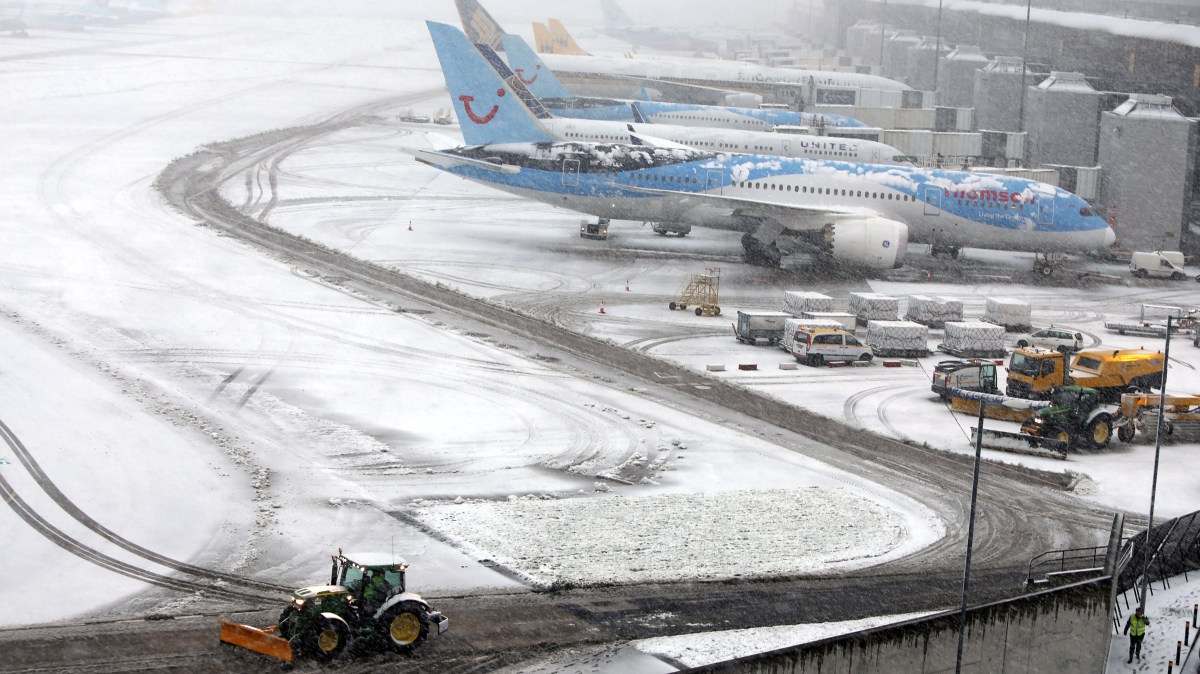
(1125, 433)
(326, 639)
(716, 311)
(287, 622)
(683, 307)
(1099, 431)
(672, 306)
(404, 626)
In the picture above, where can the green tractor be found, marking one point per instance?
(365, 603)
(1076, 418)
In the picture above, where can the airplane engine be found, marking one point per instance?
(872, 242)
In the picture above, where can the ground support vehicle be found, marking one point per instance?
(1139, 415)
(818, 346)
(593, 230)
(1076, 418)
(1158, 264)
(680, 229)
(1059, 339)
(964, 375)
(1035, 373)
(365, 604)
(760, 327)
(701, 290)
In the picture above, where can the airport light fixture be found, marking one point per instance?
(1158, 431)
(1024, 61)
(937, 53)
(966, 586)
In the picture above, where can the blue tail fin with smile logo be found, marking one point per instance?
(532, 71)
(488, 110)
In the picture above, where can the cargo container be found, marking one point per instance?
(796, 302)
(874, 307)
(898, 339)
(848, 321)
(973, 339)
(1010, 313)
(933, 311)
(760, 327)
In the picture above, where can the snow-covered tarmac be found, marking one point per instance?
(219, 406)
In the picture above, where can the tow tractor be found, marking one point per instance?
(365, 603)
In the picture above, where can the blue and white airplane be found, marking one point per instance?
(466, 66)
(860, 214)
(542, 82)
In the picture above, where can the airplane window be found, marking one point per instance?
(889, 197)
(874, 195)
(843, 193)
(772, 186)
(860, 194)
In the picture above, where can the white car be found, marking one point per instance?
(1059, 339)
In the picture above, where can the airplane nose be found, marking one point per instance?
(1110, 237)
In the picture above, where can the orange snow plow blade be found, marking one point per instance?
(259, 641)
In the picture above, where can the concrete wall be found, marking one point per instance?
(1060, 631)
(1062, 116)
(1148, 152)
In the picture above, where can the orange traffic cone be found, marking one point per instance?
(601, 306)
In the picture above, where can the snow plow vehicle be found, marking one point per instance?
(1036, 373)
(1140, 412)
(1076, 418)
(365, 604)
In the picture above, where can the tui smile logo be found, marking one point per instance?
(521, 76)
(467, 100)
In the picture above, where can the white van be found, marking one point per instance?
(1159, 264)
(820, 345)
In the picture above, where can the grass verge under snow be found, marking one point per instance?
(611, 540)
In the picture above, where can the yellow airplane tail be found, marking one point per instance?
(542, 40)
(562, 40)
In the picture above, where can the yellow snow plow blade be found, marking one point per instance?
(998, 412)
(260, 641)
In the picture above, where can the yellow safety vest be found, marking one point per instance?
(1137, 626)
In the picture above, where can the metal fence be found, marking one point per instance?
(1174, 550)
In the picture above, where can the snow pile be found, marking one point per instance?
(874, 307)
(613, 539)
(898, 338)
(796, 302)
(1011, 313)
(934, 311)
(974, 339)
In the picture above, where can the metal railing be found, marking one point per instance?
(1069, 560)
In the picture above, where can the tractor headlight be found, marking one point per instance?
(298, 603)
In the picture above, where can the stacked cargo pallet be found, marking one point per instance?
(898, 339)
(933, 311)
(1012, 314)
(874, 307)
(973, 339)
(796, 302)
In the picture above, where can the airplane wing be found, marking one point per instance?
(638, 138)
(792, 216)
(444, 160)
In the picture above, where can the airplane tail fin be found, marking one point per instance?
(563, 42)
(543, 42)
(614, 16)
(532, 71)
(479, 25)
(489, 111)
(638, 117)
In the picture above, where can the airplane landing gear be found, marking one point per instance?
(759, 254)
(939, 250)
(1044, 264)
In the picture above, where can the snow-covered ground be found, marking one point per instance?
(219, 406)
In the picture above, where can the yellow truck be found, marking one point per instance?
(1033, 373)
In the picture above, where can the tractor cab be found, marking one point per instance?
(368, 573)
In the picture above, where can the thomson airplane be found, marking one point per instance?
(706, 75)
(562, 103)
(856, 213)
(469, 70)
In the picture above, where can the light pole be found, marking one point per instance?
(1024, 60)
(937, 53)
(882, 35)
(1162, 409)
(1012, 403)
